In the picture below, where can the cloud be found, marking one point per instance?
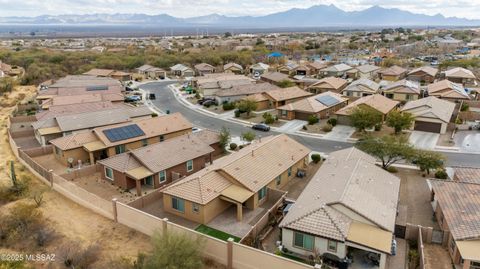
(190, 8)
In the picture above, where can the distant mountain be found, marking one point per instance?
(315, 16)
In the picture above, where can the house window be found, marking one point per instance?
(289, 172)
(189, 166)
(58, 151)
(304, 241)
(284, 113)
(109, 173)
(162, 138)
(452, 245)
(144, 142)
(178, 204)
(119, 149)
(67, 133)
(332, 246)
(195, 208)
(162, 176)
(262, 193)
(474, 265)
(278, 180)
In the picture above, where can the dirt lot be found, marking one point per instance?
(415, 194)
(436, 257)
(384, 131)
(258, 118)
(316, 128)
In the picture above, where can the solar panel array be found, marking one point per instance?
(97, 88)
(327, 100)
(122, 133)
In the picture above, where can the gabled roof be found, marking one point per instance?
(283, 94)
(337, 68)
(232, 65)
(99, 72)
(367, 68)
(247, 89)
(54, 111)
(350, 179)
(180, 67)
(403, 86)
(260, 66)
(430, 107)
(375, 101)
(160, 156)
(460, 204)
(459, 72)
(447, 89)
(312, 104)
(467, 174)
(275, 76)
(204, 66)
(363, 85)
(393, 71)
(251, 168)
(75, 140)
(331, 82)
(425, 69)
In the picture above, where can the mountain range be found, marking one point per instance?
(315, 16)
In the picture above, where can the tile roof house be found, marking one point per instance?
(204, 68)
(82, 99)
(393, 73)
(462, 76)
(119, 75)
(403, 90)
(274, 77)
(48, 129)
(107, 141)
(233, 68)
(239, 92)
(321, 105)
(448, 90)
(278, 97)
(332, 84)
(151, 71)
(456, 207)
(243, 178)
(209, 84)
(424, 74)
(431, 114)
(377, 102)
(181, 70)
(259, 68)
(338, 70)
(367, 71)
(361, 87)
(349, 202)
(62, 110)
(159, 164)
(466, 174)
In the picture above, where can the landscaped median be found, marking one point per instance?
(216, 233)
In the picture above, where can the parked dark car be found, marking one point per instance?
(261, 127)
(133, 98)
(152, 96)
(203, 100)
(210, 103)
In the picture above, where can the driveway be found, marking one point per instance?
(291, 126)
(423, 140)
(340, 133)
(468, 141)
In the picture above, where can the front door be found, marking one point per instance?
(149, 181)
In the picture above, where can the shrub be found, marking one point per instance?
(154, 115)
(75, 256)
(233, 146)
(378, 127)
(269, 119)
(464, 107)
(312, 119)
(392, 169)
(327, 128)
(228, 106)
(441, 174)
(332, 121)
(197, 96)
(316, 158)
(248, 136)
(305, 127)
(237, 113)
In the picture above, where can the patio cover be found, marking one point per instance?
(237, 193)
(94, 146)
(370, 236)
(139, 173)
(49, 130)
(470, 250)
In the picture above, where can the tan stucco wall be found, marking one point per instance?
(76, 154)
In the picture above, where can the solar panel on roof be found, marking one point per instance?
(124, 132)
(97, 88)
(327, 100)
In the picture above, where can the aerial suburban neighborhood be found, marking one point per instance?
(212, 148)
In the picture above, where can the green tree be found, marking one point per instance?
(387, 149)
(174, 251)
(247, 106)
(248, 136)
(224, 138)
(399, 121)
(286, 83)
(428, 160)
(364, 118)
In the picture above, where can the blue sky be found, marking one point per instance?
(190, 8)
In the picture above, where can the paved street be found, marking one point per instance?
(165, 100)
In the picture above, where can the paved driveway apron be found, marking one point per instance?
(424, 140)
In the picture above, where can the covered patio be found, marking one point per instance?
(367, 246)
(96, 151)
(142, 179)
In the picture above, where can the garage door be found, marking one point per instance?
(431, 127)
(302, 116)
